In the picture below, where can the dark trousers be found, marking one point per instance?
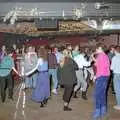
(6, 82)
(68, 90)
(101, 92)
(111, 82)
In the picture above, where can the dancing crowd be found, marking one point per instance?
(71, 68)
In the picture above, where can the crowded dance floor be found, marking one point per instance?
(59, 60)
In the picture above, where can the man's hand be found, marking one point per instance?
(94, 78)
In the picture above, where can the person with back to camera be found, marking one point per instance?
(67, 77)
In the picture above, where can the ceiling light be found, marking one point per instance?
(92, 23)
(97, 6)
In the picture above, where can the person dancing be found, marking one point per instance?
(42, 91)
(67, 77)
(102, 64)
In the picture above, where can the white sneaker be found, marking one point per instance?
(54, 91)
(116, 107)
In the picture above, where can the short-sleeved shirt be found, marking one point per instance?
(6, 66)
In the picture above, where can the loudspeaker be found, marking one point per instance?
(47, 24)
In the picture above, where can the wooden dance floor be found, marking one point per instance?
(23, 108)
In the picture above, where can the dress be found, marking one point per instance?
(42, 90)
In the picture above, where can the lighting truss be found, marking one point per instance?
(16, 13)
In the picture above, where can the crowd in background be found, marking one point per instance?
(69, 67)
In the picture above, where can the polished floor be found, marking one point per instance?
(22, 108)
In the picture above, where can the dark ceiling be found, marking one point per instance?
(105, 1)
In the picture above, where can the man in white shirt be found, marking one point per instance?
(81, 81)
(115, 67)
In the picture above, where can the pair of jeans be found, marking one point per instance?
(6, 82)
(81, 81)
(53, 73)
(30, 81)
(100, 97)
(116, 82)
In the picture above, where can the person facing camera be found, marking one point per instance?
(42, 91)
(6, 81)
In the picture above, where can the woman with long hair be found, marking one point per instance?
(42, 91)
(67, 77)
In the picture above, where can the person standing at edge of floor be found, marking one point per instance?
(67, 77)
(42, 91)
(115, 67)
(102, 64)
(111, 54)
(52, 64)
(6, 67)
(3, 52)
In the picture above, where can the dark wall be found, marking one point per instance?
(9, 39)
(1, 38)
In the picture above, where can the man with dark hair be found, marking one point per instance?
(6, 67)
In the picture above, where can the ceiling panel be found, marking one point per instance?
(114, 1)
(56, 9)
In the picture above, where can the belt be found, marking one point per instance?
(80, 68)
(43, 71)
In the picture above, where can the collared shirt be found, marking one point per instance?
(102, 65)
(6, 66)
(81, 61)
(115, 64)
